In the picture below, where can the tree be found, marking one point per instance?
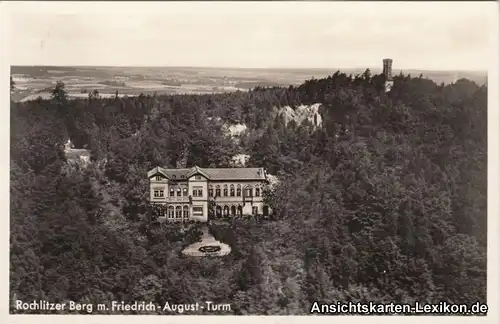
(265, 151)
(59, 93)
(251, 274)
(94, 94)
(211, 209)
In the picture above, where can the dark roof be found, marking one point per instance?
(212, 173)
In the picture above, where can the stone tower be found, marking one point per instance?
(388, 74)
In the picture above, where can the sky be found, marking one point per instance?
(431, 35)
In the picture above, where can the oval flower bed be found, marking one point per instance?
(208, 246)
(209, 249)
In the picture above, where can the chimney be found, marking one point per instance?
(388, 69)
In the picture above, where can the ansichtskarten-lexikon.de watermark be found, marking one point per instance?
(370, 308)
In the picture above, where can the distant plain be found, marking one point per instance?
(32, 82)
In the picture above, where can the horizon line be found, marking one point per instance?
(250, 68)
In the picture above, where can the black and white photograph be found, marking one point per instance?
(250, 158)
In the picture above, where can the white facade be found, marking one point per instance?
(185, 194)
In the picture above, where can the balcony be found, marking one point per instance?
(176, 199)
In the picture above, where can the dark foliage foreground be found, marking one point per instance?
(386, 202)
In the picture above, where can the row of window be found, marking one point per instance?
(180, 212)
(177, 212)
(233, 210)
(232, 193)
(178, 191)
(198, 192)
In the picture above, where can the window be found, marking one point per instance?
(255, 210)
(158, 193)
(210, 191)
(184, 192)
(178, 192)
(231, 191)
(197, 192)
(185, 211)
(257, 192)
(158, 178)
(198, 177)
(178, 212)
(238, 191)
(170, 212)
(248, 192)
(198, 210)
(217, 191)
(172, 193)
(225, 190)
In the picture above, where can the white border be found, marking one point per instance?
(300, 7)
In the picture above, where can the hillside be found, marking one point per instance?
(383, 200)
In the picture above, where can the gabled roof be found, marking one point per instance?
(157, 170)
(197, 170)
(212, 173)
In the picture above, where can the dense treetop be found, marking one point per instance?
(386, 201)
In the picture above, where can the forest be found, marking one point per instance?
(385, 202)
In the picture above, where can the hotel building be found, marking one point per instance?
(187, 193)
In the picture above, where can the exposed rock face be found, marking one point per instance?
(240, 160)
(301, 113)
(235, 130)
